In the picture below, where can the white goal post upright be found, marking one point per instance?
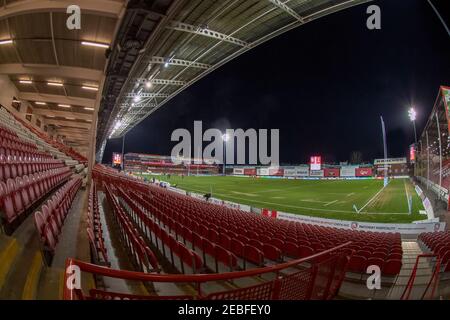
(383, 128)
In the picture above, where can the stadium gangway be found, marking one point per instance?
(317, 277)
(430, 290)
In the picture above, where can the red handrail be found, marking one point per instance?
(435, 276)
(69, 294)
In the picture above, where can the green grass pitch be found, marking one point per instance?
(322, 198)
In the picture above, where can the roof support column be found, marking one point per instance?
(93, 131)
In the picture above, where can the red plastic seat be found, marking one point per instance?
(305, 251)
(226, 257)
(253, 255)
(271, 252)
(291, 250)
(392, 267)
(357, 264)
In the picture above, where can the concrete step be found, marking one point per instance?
(20, 282)
(9, 251)
(51, 284)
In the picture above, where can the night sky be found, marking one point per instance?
(324, 85)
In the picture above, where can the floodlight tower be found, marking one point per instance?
(413, 116)
(225, 138)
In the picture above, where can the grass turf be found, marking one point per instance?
(322, 198)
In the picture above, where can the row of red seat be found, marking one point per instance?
(223, 252)
(10, 135)
(188, 260)
(58, 145)
(142, 255)
(214, 242)
(260, 228)
(50, 220)
(388, 248)
(14, 142)
(22, 193)
(439, 244)
(292, 239)
(12, 167)
(12, 145)
(95, 230)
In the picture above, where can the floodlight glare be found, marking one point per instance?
(412, 114)
(225, 137)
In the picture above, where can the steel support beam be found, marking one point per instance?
(287, 9)
(204, 31)
(162, 81)
(178, 62)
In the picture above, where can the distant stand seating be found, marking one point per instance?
(50, 220)
(12, 145)
(61, 147)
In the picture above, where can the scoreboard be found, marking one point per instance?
(117, 159)
(316, 163)
(412, 153)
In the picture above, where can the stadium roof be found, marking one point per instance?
(152, 50)
(177, 42)
(50, 64)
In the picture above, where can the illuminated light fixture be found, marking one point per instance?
(8, 41)
(70, 118)
(166, 64)
(88, 120)
(148, 84)
(412, 114)
(118, 124)
(25, 81)
(49, 116)
(16, 101)
(90, 88)
(64, 105)
(137, 99)
(40, 103)
(55, 84)
(89, 109)
(95, 44)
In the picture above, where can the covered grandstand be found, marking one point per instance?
(66, 216)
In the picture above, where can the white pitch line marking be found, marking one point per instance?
(350, 194)
(371, 199)
(269, 190)
(312, 201)
(329, 203)
(245, 194)
(296, 207)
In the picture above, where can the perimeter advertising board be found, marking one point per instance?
(404, 228)
(348, 171)
(296, 172)
(316, 173)
(331, 172)
(250, 171)
(364, 172)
